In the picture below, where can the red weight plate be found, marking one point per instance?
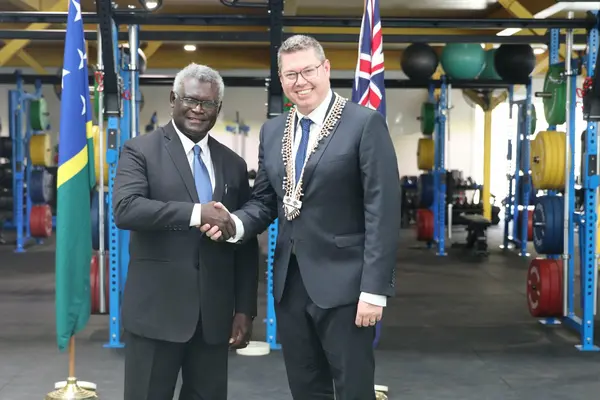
(424, 225)
(94, 292)
(530, 225)
(544, 288)
(40, 221)
(555, 305)
(95, 283)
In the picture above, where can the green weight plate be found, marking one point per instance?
(39, 115)
(555, 106)
(427, 118)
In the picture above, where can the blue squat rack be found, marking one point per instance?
(20, 133)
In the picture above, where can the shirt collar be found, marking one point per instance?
(317, 116)
(188, 145)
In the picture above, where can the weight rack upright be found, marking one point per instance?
(20, 133)
(120, 91)
(517, 200)
(439, 168)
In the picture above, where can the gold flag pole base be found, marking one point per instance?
(72, 391)
(381, 392)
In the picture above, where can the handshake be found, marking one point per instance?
(216, 222)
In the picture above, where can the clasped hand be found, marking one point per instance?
(216, 221)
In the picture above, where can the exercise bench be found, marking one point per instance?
(477, 233)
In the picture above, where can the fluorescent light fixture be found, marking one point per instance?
(189, 47)
(555, 9)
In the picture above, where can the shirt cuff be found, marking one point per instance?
(375, 299)
(196, 218)
(239, 229)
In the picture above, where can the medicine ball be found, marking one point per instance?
(419, 61)
(489, 71)
(463, 60)
(514, 62)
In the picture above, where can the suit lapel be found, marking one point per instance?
(314, 159)
(179, 158)
(216, 155)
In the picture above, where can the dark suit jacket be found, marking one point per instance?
(177, 274)
(346, 237)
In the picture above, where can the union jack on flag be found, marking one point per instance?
(369, 87)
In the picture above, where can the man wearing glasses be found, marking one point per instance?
(187, 299)
(328, 171)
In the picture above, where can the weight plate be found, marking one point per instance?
(39, 117)
(548, 225)
(424, 219)
(555, 106)
(95, 215)
(40, 221)
(96, 138)
(544, 288)
(425, 154)
(95, 283)
(520, 216)
(40, 150)
(40, 186)
(548, 160)
(6, 176)
(427, 118)
(5, 147)
(425, 190)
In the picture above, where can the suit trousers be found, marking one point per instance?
(323, 349)
(152, 367)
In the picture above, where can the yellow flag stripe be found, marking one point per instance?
(72, 167)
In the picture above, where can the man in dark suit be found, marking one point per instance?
(328, 171)
(187, 298)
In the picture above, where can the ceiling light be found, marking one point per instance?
(151, 5)
(189, 47)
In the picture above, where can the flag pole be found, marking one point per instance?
(71, 389)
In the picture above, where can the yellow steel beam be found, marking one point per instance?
(290, 7)
(32, 62)
(12, 47)
(28, 5)
(151, 48)
(515, 8)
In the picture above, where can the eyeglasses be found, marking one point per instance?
(307, 73)
(206, 105)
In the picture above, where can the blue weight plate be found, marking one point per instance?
(425, 190)
(547, 225)
(40, 188)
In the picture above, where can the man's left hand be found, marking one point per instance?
(367, 314)
(241, 331)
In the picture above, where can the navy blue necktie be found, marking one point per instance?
(201, 177)
(301, 154)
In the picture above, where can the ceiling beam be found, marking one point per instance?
(12, 47)
(515, 8)
(27, 5)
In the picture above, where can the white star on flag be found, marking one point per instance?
(64, 73)
(78, 8)
(82, 56)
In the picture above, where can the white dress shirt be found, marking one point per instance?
(188, 148)
(317, 116)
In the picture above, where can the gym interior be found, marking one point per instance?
(492, 107)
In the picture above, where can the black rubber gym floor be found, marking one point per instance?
(458, 329)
